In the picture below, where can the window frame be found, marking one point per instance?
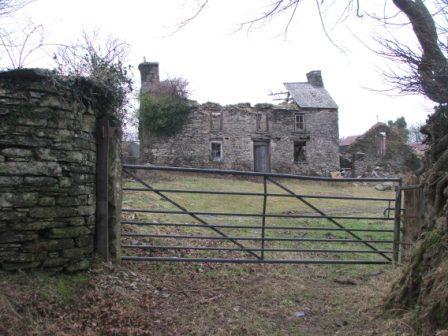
(382, 144)
(221, 152)
(303, 128)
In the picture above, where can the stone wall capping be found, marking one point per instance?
(30, 73)
(38, 75)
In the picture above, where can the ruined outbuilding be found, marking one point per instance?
(380, 151)
(299, 137)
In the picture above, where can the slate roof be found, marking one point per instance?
(308, 96)
(347, 141)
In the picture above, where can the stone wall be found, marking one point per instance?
(191, 146)
(47, 173)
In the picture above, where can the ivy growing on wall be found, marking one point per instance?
(164, 110)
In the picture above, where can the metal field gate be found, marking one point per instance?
(209, 215)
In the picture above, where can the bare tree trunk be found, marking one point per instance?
(433, 68)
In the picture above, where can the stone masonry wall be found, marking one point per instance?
(191, 146)
(47, 175)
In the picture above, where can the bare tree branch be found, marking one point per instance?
(190, 18)
(324, 28)
(432, 67)
(274, 9)
(419, 70)
(21, 45)
(291, 17)
(7, 7)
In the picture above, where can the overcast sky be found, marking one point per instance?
(227, 67)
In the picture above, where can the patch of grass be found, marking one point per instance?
(29, 300)
(61, 288)
(58, 288)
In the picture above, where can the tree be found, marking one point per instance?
(400, 126)
(173, 87)
(426, 67)
(415, 134)
(165, 108)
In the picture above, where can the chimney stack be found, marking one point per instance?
(149, 73)
(315, 78)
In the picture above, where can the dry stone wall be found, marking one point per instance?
(47, 174)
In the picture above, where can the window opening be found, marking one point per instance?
(216, 121)
(299, 151)
(216, 151)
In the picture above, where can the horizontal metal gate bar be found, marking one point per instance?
(239, 193)
(230, 226)
(206, 248)
(268, 242)
(235, 214)
(249, 173)
(255, 238)
(258, 261)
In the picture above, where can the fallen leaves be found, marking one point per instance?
(172, 299)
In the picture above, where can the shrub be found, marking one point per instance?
(102, 60)
(163, 114)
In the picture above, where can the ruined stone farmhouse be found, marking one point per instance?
(299, 137)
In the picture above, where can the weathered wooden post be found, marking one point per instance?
(102, 174)
(413, 202)
(263, 220)
(397, 222)
(115, 190)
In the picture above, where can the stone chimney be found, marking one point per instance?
(315, 78)
(149, 73)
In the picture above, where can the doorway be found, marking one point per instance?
(262, 157)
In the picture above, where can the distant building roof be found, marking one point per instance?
(419, 147)
(307, 95)
(347, 141)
